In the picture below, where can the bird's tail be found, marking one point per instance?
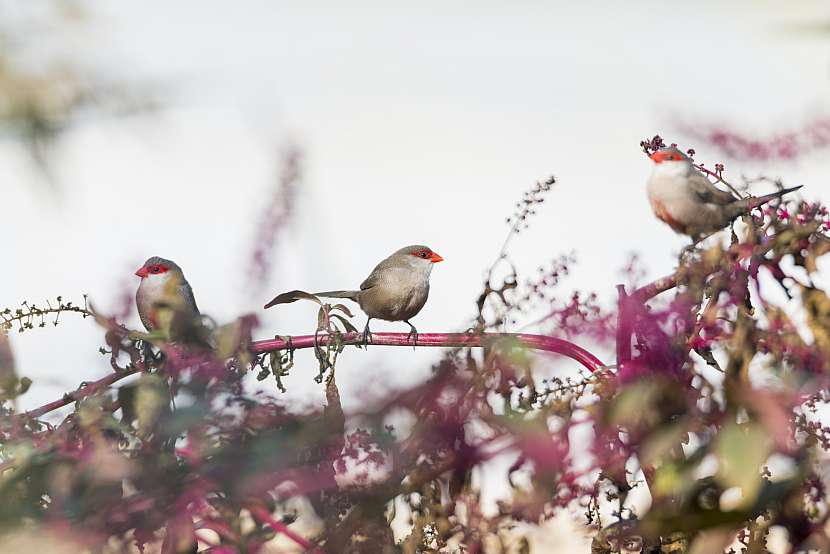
(746, 205)
(350, 294)
(294, 295)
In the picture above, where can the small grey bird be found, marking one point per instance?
(164, 298)
(684, 199)
(395, 290)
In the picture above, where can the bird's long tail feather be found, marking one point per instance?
(350, 294)
(748, 204)
(294, 295)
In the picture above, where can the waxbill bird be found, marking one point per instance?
(395, 290)
(165, 300)
(684, 199)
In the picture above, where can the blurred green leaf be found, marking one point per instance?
(228, 339)
(817, 305)
(633, 405)
(8, 375)
(144, 402)
(175, 423)
(742, 451)
(672, 479)
(662, 441)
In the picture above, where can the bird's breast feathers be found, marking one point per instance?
(399, 293)
(663, 214)
(163, 292)
(672, 201)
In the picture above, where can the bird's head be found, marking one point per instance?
(417, 256)
(669, 155)
(158, 269)
(425, 253)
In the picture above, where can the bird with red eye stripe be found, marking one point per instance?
(684, 199)
(164, 297)
(396, 290)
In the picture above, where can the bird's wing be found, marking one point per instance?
(372, 280)
(707, 192)
(187, 294)
(375, 276)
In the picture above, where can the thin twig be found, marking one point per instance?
(84, 391)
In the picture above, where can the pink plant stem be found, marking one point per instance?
(83, 392)
(451, 340)
(279, 527)
(649, 291)
(446, 340)
(624, 327)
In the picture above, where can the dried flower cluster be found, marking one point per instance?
(528, 204)
(28, 316)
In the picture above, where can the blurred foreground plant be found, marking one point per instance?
(44, 89)
(712, 408)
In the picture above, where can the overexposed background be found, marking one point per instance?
(419, 124)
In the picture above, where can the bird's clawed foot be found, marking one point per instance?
(687, 250)
(413, 334)
(696, 242)
(690, 249)
(367, 334)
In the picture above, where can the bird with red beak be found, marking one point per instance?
(395, 290)
(683, 198)
(164, 298)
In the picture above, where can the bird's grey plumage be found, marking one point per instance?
(396, 289)
(709, 193)
(348, 294)
(683, 198)
(170, 289)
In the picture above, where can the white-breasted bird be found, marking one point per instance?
(683, 198)
(164, 298)
(395, 290)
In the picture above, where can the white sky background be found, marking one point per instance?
(420, 124)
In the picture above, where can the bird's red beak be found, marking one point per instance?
(142, 272)
(435, 258)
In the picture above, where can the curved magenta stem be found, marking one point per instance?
(446, 340)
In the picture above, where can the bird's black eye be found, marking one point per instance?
(154, 269)
(423, 254)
